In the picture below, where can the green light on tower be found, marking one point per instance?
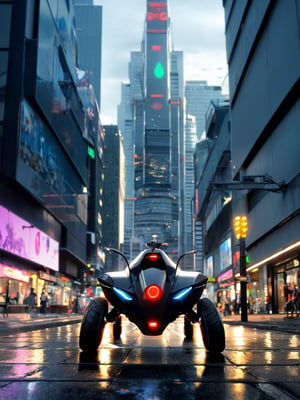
(159, 71)
(91, 152)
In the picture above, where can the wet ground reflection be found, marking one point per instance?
(254, 364)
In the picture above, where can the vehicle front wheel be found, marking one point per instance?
(92, 326)
(211, 326)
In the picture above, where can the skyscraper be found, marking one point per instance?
(156, 103)
(198, 95)
(89, 33)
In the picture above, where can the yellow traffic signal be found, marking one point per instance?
(240, 226)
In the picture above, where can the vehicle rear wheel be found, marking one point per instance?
(92, 326)
(211, 326)
(188, 329)
(117, 328)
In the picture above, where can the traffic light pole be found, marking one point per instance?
(243, 280)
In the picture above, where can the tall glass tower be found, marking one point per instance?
(157, 123)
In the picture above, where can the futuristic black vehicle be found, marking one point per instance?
(152, 292)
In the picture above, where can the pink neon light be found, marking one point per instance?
(157, 95)
(226, 275)
(156, 106)
(156, 30)
(152, 4)
(156, 47)
(162, 16)
(7, 271)
(21, 238)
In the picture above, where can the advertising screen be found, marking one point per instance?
(225, 254)
(19, 237)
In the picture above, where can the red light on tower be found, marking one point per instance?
(156, 4)
(156, 106)
(156, 47)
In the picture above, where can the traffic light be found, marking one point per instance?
(240, 226)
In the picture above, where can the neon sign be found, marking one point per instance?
(13, 273)
(162, 16)
(152, 4)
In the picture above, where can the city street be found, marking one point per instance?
(47, 363)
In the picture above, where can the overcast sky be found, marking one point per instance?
(197, 30)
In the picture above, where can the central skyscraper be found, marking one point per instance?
(156, 113)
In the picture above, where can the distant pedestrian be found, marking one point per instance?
(43, 301)
(75, 306)
(5, 307)
(31, 301)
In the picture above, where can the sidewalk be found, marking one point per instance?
(22, 322)
(279, 322)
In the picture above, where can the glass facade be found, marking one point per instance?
(156, 157)
(5, 22)
(151, 120)
(46, 171)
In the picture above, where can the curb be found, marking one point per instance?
(281, 327)
(12, 328)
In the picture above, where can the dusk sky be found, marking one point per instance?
(197, 29)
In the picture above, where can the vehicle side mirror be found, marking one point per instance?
(183, 255)
(111, 250)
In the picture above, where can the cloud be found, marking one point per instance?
(197, 30)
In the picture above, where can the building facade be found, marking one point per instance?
(113, 195)
(198, 95)
(264, 93)
(89, 36)
(214, 208)
(43, 153)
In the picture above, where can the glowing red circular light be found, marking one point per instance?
(153, 292)
(156, 106)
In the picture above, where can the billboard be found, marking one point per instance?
(19, 237)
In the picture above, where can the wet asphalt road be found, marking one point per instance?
(47, 364)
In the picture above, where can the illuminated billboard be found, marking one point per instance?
(225, 254)
(19, 237)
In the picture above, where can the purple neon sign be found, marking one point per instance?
(19, 237)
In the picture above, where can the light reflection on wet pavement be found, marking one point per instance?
(47, 363)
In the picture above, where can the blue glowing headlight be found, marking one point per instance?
(122, 294)
(182, 294)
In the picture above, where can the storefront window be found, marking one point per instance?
(286, 283)
(17, 291)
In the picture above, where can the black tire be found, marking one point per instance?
(92, 325)
(117, 328)
(188, 329)
(211, 326)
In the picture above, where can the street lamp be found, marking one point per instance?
(240, 226)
